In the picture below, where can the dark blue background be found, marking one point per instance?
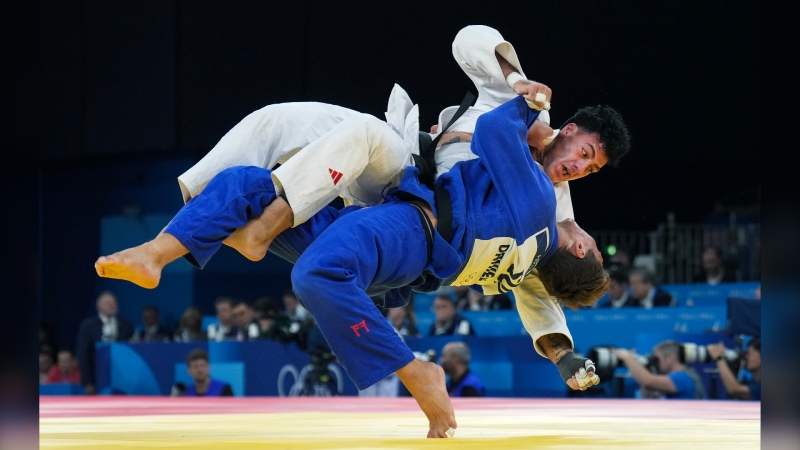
(133, 92)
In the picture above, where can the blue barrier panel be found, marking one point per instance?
(700, 294)
(496, 323)
(620, 327)
(423, 302)
(590, 327)
(744, 316)
(254, 368)
(60, 389)
(424, 322)
(209, 320)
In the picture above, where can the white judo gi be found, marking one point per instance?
(362, 166)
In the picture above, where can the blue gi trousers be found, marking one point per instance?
(363, 254)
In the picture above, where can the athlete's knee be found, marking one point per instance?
(315, 272)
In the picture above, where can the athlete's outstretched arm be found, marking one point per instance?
(578, 372)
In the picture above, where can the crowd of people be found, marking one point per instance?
(667, 376)
(235, 320)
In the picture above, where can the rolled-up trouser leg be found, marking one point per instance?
(231, 198)
(382, 245)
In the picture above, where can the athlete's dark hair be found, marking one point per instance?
(574, 281)
(609, 126)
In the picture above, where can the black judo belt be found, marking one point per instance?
(426, 164)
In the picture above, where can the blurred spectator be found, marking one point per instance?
(714, 268)
(292, 307)
(499, 302)
(225, 329)
(293, 323)
(619, 294)
(66, 371)
(736, 388)
(460, 296)
(244, 317)
(203, 385)
(472, 301)
(404, 320)
(266, 313)
(190, 327)
(622, 259)
(152, 330)
(461, 382)
(106, 326)
(448, 321)
(673, 379)
(46, 361)
(46, 337)
(476, 301)
(643, 287)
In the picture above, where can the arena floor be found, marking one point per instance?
(393, 423)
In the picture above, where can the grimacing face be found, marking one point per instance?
(573, 154)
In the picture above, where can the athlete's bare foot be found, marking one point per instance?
(254, 238)
(250, 240)
(427, 383)
(131, 265)
(141, 265)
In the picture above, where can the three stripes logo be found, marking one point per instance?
(335, 176)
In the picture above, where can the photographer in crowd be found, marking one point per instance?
(736, 389)
(674, 379)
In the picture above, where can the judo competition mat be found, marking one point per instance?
(352, 422)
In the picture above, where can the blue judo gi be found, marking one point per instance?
(503, 227)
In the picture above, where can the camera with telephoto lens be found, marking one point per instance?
(691, 353)
(320, 381)
(606, 361)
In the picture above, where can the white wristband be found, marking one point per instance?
(512, 79)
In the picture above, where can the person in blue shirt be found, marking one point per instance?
(673, 380)
(744, 389)
(619, 295)
(203, 385)
(461, 381)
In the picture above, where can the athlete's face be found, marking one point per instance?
(579, 242)
(573, 154)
